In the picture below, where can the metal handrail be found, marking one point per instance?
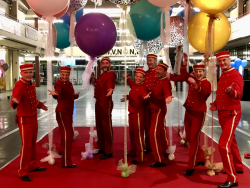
(15, 19)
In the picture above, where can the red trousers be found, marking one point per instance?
(147, 123)
(193, 123)
(28, 128)
(158, 137)
(103, 113)
(136, 133)
(65, 121)
(228, 147)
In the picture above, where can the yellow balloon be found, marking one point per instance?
(213, 6)
(197, 31)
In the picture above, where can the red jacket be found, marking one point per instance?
(103, 84)
(229, 101)
(66, 96)
(136, 97)
(25, 93)
(196, 99)
(150, 79)
(161, 90)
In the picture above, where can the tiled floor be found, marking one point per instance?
(10, 143)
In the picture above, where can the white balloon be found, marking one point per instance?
(171, 156)
(51, 161)
(163, 3)
(182, 141)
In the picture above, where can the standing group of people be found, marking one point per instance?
(148, 99)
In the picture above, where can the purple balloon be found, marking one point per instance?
(95, 34)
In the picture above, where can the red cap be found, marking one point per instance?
(26, 67)
(225, 54)
(65, 69)
(199, 67)
(163, 65)
(106, 58)
(140, 70)
(152, 56)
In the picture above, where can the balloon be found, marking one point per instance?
(90, 156)
(182, 13)
(212, 6)
(197, 30)
(76, 5)
(124, 174)
(51, 161)
(48, 7)
(59, 15)
(124, 2)
(153, 46)
(62, 39)
(66, 17)
(95, 34)
(244, 63)
(237, 63)
(163, 3)
(146, 20)
(171, 11)
(232, 64)
(176, 30)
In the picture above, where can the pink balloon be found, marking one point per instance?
(48, 7)
(59, 15)
(163, 3)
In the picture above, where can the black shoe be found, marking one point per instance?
(189, 172)
(38, 169)
(200, 164)
(157, 165)
(166, 155)
(148, 151)
(135, 162)
(71, 166)
(238, 172)
(99, 152)
(25, 178)
(228, 184)
(106, 156)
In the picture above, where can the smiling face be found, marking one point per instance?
(160, 72)
(65, 76)
(105, 65)
(224, 63)
(151, 62)
(27, 75)
(199, 74)
(139, 78)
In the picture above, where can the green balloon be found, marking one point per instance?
(125, 174)
(146, 19)
(62, 36)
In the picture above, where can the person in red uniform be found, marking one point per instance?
(160, 96)
(65, 95)
(149, 83)
(25, 101)
(195, 104)
(227, 102)
(136, 97)
(104, 87)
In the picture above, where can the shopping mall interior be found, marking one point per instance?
(22, 41)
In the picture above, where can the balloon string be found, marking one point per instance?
(125, 126)
(212, 53)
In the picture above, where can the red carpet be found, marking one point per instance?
(96, 173)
